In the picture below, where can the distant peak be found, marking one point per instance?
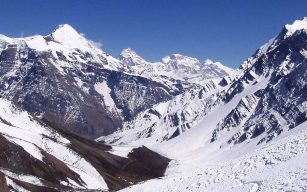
(296, 25)
(178, 56)
(69, 37)
(128, 51)
(181, 59)
(65, 28)
(208, 62)
(65, 31)
(130, 57)
(211, 62)
(216, 63)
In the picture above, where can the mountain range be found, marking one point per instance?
(74, 118)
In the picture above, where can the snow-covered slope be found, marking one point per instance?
(169, 119)
(40, 143)
(276, 166)
(37, 157)
(251, 136)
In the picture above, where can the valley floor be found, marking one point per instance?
(279, 165)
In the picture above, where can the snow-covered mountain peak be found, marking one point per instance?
(63, 39)
(180, 59)
(208, 62)
(128, 52)
(130, 57)
(4, 40)
(296, 25)
(287, 31)
(176, 66)
(70, 38)
(65, 28)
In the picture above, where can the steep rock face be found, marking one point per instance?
(66, 80)
(278, 74)
(133, 94)
(34, 83)
(237, 116)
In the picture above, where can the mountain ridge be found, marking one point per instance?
(256, 81)
(178, 66)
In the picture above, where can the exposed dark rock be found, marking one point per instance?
(150, 159)
(3, 184)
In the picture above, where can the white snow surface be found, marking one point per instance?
(276, 166)
(121, 150)
(68, 36)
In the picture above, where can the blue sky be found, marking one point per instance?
(224, 30)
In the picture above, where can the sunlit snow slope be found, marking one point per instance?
(277, 166)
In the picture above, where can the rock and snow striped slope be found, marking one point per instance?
(40, 143)
(36, 157)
